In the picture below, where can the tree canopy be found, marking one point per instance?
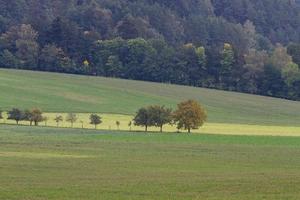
(72, 118)
(190, 115)
(224, 44)
(15, 114)
(95, 120)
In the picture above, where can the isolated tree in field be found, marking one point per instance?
(143, 118)
(189, 115)
(16, 114)
(118, 124)
(160, 116)
(95, 120)
(58, 119)
(72, 118)
(45, 119)
(37, 116)
(82, 123)
(28, 116)
(130, 125)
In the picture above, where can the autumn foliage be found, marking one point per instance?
(190, 115)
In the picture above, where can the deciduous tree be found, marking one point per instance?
(255, 62)
(280, 57)
(37, 116)
(294, 51)
(190, 115)
(58, 119)
(113, 66)
(45, 119)
(28, 116)
(95, 120)
(72, 118)
(130, 125)
(118, 123)
(143, 118)
(53, 58)
(160, 116)
(1, 115)
(16, 114)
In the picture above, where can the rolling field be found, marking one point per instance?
(69, 164)
(46, 163)
(84, 94)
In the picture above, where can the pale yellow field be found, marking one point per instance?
(109, 123)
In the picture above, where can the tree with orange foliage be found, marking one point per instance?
(190, 115)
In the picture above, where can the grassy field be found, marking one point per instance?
(67, 164)
(64, 93)
(44, 163)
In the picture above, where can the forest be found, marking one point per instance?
(250, 46)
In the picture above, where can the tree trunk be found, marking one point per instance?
(146, 128)
(161, 128)
(189, 130)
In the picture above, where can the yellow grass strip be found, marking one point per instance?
(109, 123)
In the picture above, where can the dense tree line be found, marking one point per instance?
(243, 45)
(35, 116)
(32, 116)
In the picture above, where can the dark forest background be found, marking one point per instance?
(249, 46)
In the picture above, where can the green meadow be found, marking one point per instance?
(68, 164)
(248, 150)
(85, 94)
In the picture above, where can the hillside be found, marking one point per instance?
(64, 93)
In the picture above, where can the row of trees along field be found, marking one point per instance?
(35, 116)
(243, 45)
(189, 115)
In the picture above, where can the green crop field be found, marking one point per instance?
(64, 93)
(68, 164)
(45, 163)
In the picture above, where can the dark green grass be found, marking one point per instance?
(66, 164)
(65, 93)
